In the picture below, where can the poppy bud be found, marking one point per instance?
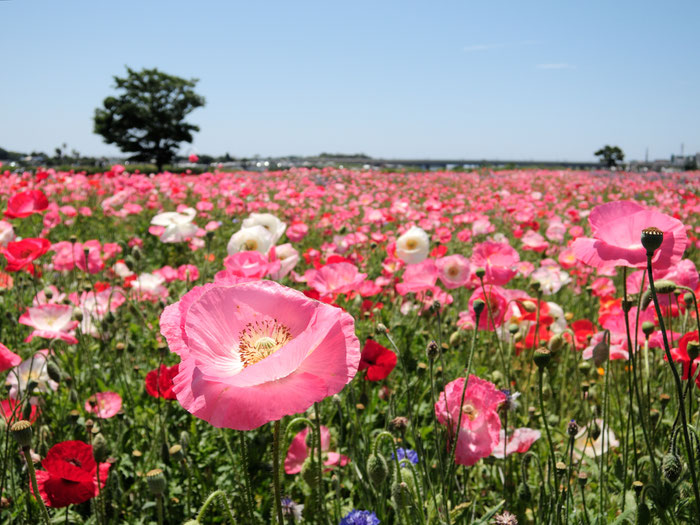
(77, 314)
(377, 469)
(309, 473)
(513, 328)
(480, 273)
(693, 349)
(432, 350)
(478, 306)
(401, 494)
(156, 481)
(529, 306)
(100, 450)
(556, 342)
(671, 467)
(646, 299)
(688, 299)
(627, 305)
(524, 493)
(53, 371)
(381, 328)
(652, 238)
(601, 352)
(455, 337)
(665, 286)
(22, 432)
(643, 514)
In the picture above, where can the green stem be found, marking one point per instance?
(208, 502)
(276, 472)
(35, 487)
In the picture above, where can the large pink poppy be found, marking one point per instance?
(499, 259)
(480, 425)
(254, 352)
(617, 231)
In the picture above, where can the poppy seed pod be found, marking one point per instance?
(478, 306)
(542, 358)
(480, 272)
(652, 238)
(22, 433)
(156, 481)
(648, 328)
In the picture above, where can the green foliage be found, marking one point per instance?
(610, 156)
(147, 118)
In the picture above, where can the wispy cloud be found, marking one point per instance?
(558, 65)
(488, 47)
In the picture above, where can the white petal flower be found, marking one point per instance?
(275, 226)
(413, 246)
(256, 238)
(178, 226)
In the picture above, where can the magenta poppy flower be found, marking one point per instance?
(254, 352)
(335, 278)
(25, 204)
(617, 231)
(494, 313)
(377, 360)
(104, 404)
(299, 451)
(480, 425)
(418, 277)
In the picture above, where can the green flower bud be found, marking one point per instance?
(377, 469)
(665, 286)
(100, 450)
(671, 467)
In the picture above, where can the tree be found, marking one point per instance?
(148, 117)
(610, 155)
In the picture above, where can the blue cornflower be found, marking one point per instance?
(360, 517)
(406, 453)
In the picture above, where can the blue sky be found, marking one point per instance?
(489, 79)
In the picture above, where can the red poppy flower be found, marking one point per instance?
(377, 360)
(11, 411)
(25, 204)
(159, 382)
(583, 330)
(71, 474)
(20, 254)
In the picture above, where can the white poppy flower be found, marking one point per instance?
(413, 246)
(256, 238)
(178, 226)
(275, 226)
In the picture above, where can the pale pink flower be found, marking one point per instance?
(534, 241)
(480, 425)
(249, 264)
(7, 233)
(335, 278)
(520, 441)
(254, 352)
(418, 277)
(32, 369)
(298, 452)
(454, 271)
(288, 258)
(50, 321)
(617, 230)
(104, 404)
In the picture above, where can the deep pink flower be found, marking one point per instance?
(25, 204)
(8, 359)
(255, 352)
(104, 404)
(520, 441)
(335, 278)
(494, 313)
(251, 264)
(299, 451)
(480, 425)
(617, 230)
(499, 259)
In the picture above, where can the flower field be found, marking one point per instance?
(350, 347)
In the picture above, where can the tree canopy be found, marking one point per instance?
(610, 155)
(148, 117)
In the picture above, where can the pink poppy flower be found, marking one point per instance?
(499, 259)
(50, 321)
(255, 352)
(288, 258)
(454, 271)
(534, 241)
(250, 264)
(297, 231)
(335, 278)
(104, 404)
(617, 230)
(480, 425)
(418, 277)
(8, 359)
(298, 452)
(519, 441)
(496, 300)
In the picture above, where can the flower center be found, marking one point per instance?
(261, 339)
(452, 271)
(469, 411)
(411, 244)
(251, 245)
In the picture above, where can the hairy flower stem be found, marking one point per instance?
(248, 498)
(276, 471)
(552, 460)
(35, 487)
(679, 387)
(319, 467)
(224, 503)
